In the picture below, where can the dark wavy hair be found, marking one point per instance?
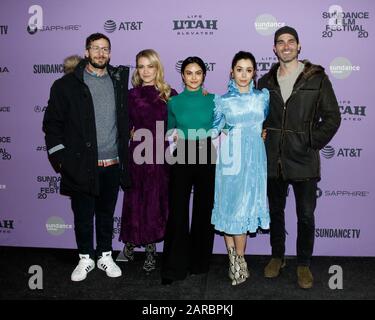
(94, 37)
(196, 60)
(247, 56)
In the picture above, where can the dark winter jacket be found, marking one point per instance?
(299, 128)
(70, 131)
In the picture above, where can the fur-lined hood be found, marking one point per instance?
(309, 71)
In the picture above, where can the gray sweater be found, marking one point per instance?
(103, 96)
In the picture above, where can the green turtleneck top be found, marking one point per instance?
(191, 110)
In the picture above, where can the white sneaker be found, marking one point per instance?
(107, 264)
(85, 265)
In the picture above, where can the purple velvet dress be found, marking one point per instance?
(145, 206)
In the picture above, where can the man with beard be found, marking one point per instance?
(86, 132)
(304, 116)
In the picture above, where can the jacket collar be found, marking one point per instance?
(78, 71)
(308, 71)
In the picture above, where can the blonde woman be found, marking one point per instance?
(145, 207)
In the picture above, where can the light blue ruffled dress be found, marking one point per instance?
(241, 170)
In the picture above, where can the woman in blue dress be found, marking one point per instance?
(241, 171)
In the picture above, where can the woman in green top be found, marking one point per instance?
(190, 113)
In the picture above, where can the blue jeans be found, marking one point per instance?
(305, 196)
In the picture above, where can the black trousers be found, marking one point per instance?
(189, 249)
(85, 207)
(305, 196)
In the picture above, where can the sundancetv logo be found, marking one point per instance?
(3, 30)
(341, 68)
(266, 24)
(56, 226)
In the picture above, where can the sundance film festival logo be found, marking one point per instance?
(3, 30)
(48, 68)
(210, 66)
(111, 26)
(329, 152)
(344, 21)
(6, 226)
(35, 22)
(117, 227)
(341, 68)
(266, 24)
(4, 154)
(350, 112)
(195, 25)
(56, 226)
(50, 185)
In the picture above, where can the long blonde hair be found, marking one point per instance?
(160, 84)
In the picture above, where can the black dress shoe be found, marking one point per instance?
(166, 282)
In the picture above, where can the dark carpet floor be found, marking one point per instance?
(57, 265)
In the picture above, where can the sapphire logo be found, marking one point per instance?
(346, 193)
(36, 20)
(328, 152)
(110, 26)
(210, 66)
(319, 192)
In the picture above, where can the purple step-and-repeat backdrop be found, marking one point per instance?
(35, 37)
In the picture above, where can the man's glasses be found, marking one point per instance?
(106, 50)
